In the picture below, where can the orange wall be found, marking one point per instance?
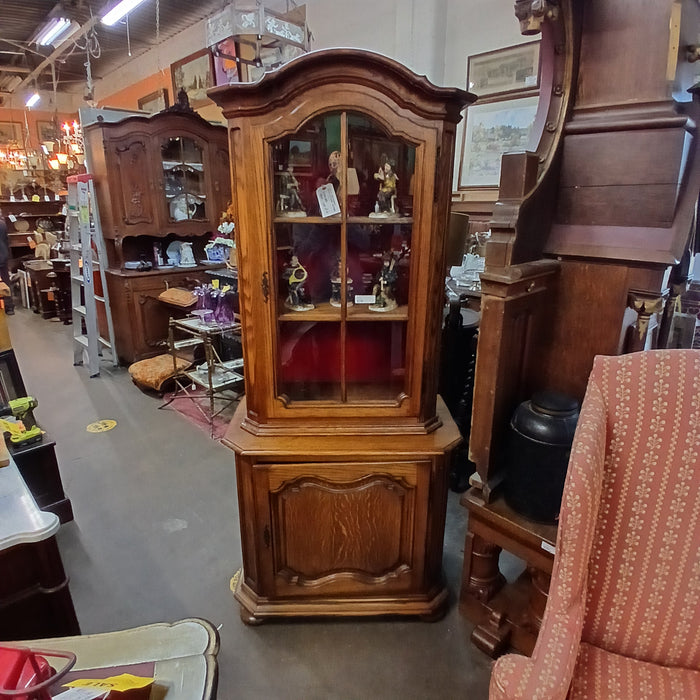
(129, 97)
(33, 116)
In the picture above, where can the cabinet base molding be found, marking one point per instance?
(255, 609)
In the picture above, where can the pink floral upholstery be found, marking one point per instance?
(623, 613)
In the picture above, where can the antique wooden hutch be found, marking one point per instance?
(159, 180)
(341, 444)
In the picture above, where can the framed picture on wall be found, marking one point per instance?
(47, 131)
(154, 102)
(226, 65)
(10, 132)
(510, 71)
(196, 75)
(492, 129)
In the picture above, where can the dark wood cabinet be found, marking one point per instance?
(342, 445)
(160, 180)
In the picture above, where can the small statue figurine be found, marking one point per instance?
(336, 287)
(296, 275)
(386, 196)
(384, 299)
(290, 203)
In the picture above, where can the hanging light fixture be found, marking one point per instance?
(122, 8)
(57, 29)
(275, 38)
(32, 100)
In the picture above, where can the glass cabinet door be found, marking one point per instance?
(182, 161)
(343, 207)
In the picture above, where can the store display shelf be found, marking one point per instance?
(357, 312)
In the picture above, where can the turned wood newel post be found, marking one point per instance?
(645, 306)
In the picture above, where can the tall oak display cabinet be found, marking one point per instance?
(342, 166)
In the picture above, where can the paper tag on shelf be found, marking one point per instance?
(548, 547)
(327, 201)
(12, 218)
(82, 694)
(365, 298)
(215, 283)
(47, 198)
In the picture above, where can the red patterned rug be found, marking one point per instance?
(196, 409)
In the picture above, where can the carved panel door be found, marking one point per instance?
(135, 184)
(341, 528)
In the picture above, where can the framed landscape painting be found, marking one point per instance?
(492, 129)
(196, 75)
(154, 102)
(10, 132)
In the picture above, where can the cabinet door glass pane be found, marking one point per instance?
(183, 178)
(342, 211)
(375, 360)
(309, 361)
(303, 162)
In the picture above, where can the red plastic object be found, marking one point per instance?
(26, 675)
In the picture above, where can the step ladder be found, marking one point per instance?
(87, 258)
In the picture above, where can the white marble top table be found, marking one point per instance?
(21, 521)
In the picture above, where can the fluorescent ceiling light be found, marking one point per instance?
(119, 10)
(52, 30)
(31, 101)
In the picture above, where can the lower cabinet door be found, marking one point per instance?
(341, 528)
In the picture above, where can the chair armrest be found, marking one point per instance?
(547, 674)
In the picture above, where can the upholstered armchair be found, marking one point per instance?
(623, 612)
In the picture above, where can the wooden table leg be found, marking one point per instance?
(481, 577)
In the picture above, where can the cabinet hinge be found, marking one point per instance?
(266, 536)
(265, 286)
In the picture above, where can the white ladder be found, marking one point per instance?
(87, 252)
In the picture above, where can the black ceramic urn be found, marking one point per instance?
(537, 454)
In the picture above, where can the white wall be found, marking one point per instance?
(432, 37)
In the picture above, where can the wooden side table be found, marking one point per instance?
(506, 615)
(34, 597)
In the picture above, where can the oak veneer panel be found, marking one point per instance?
(623, 205)
(612, 73)
(587, 320)
(642, 156)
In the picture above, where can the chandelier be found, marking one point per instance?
(68, 151)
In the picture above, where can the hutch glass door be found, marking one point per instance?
(182, 161)
(343, 223)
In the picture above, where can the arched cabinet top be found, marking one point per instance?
(342, 67)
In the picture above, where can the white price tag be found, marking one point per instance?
(12, 218)
(548, 547)
(327, 201)
(47, 198)
(365, 298)
(82, 694)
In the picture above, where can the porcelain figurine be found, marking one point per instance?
(296, 275)
(386, 195)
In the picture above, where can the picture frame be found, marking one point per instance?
(10, 132)
(155, 101)
(47, 131)
(195, 74)
(492, 129)
(300, 154)
(511, 71)
(227, 68)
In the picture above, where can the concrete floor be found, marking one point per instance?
(155, 538)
